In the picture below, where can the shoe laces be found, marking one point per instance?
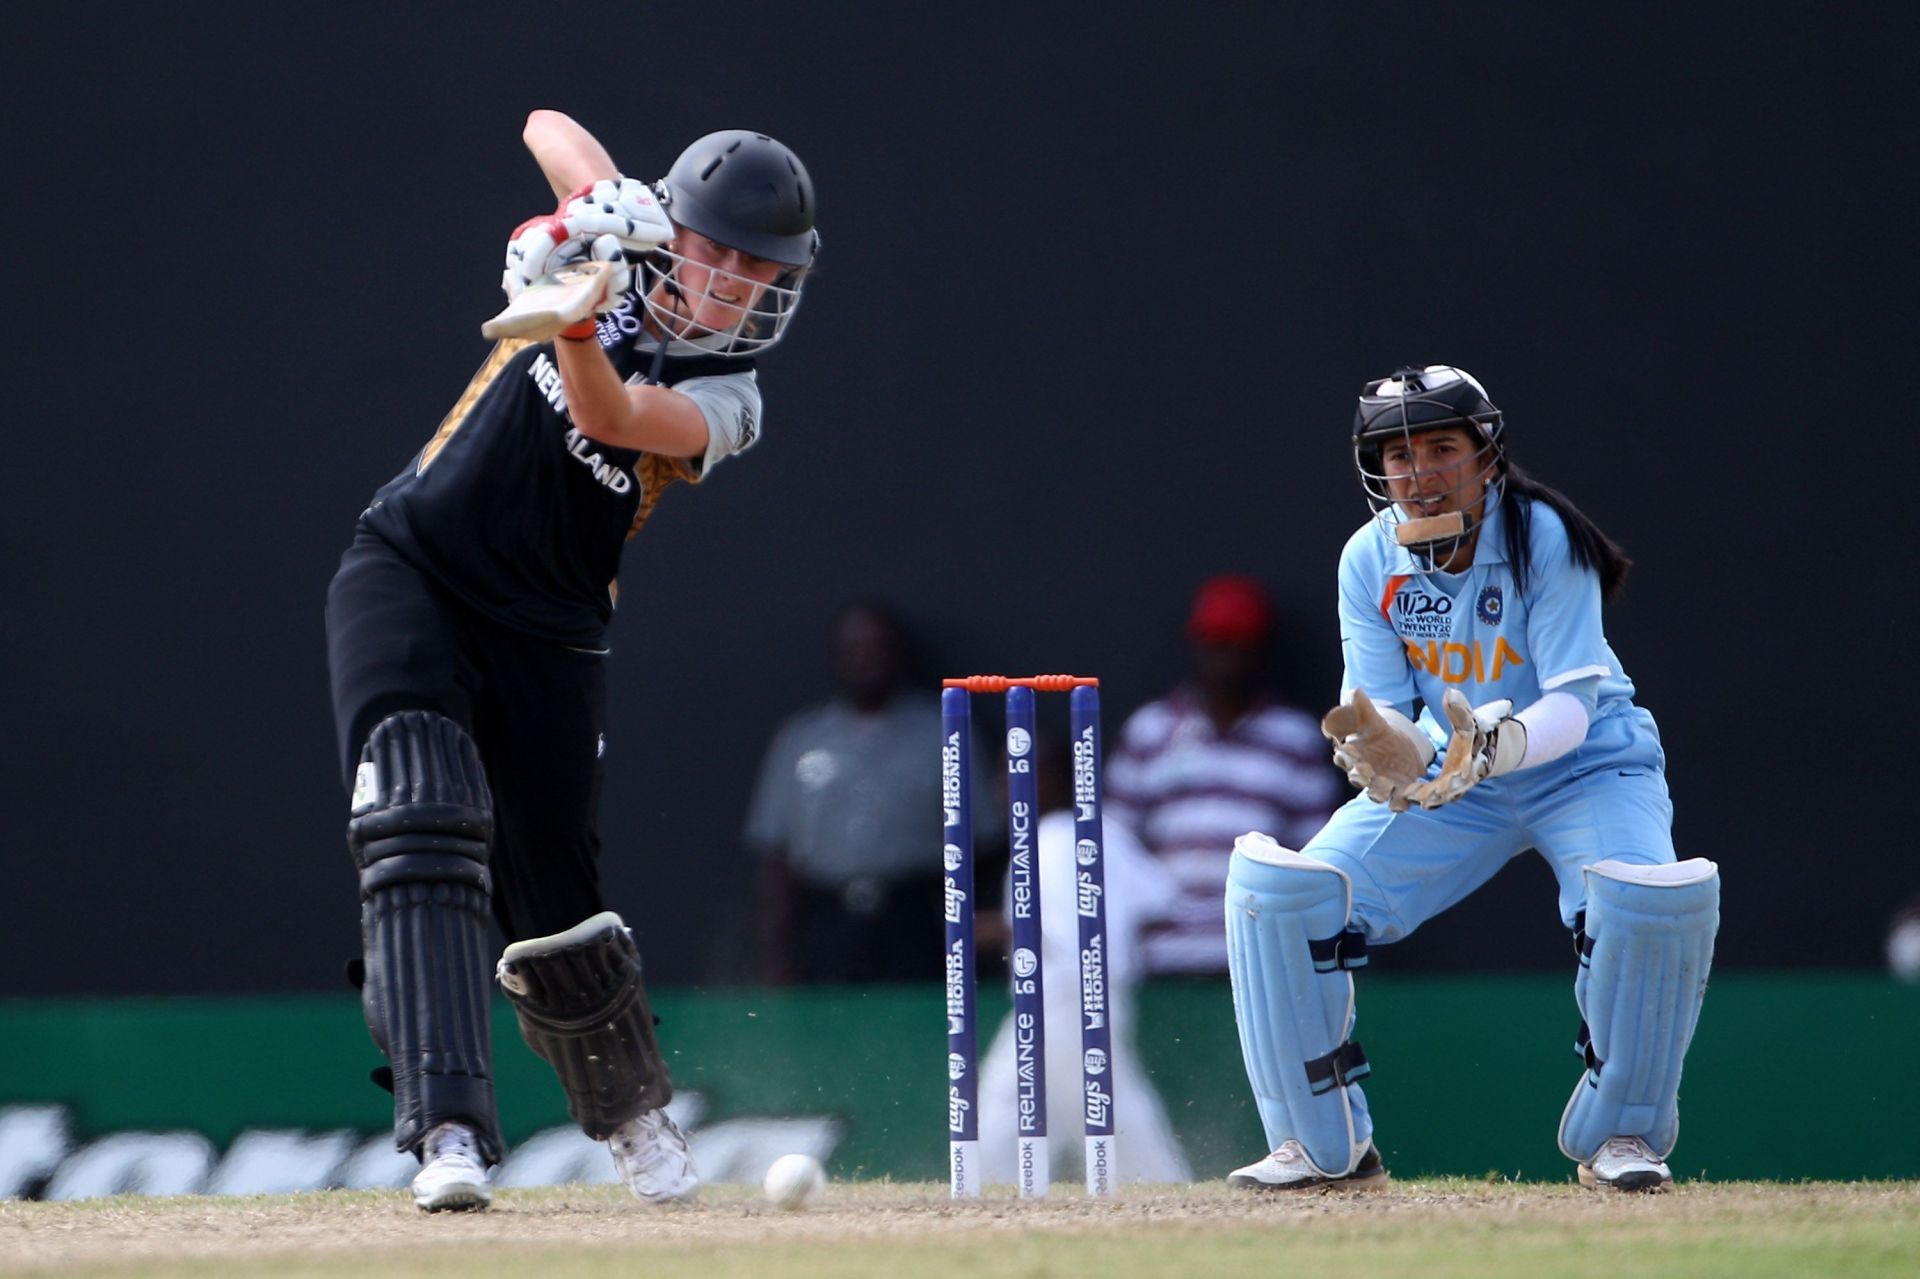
(1627, 1148)
(453, 1141)
(651, 1135)
(1289, 1151)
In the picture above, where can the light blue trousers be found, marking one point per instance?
(1606, 799)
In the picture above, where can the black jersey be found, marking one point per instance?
(515, 511)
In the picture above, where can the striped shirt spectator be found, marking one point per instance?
(1218, 757)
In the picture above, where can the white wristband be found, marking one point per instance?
(1555, 725)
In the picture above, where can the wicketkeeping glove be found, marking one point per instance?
(1382, 756)
(1487, 741)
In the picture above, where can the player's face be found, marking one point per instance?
(1437, 472)
(719, 285)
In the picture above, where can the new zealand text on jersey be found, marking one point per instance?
(546, 378)
(617, 478)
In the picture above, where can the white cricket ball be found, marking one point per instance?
(792, 1180)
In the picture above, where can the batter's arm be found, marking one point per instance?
(567, 154)
(654, 419)
(651, 418)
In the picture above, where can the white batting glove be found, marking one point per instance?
(542, 245)
(1379, 749)
(623, 208)
(1487, 741)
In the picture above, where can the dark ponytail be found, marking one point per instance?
(1590, 547)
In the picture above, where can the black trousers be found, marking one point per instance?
(536, 709)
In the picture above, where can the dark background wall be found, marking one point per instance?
(1096, 297)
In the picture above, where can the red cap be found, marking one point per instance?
(1231, 609)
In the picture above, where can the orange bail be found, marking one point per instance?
(1039, 683)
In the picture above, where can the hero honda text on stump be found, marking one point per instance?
(1029, 1004)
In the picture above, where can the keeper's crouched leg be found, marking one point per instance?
(421, 826)
(583, 1007)
(1646, 945)
(1290, 950)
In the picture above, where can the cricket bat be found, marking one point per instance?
(551, 303)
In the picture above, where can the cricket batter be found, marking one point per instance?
(1472, 597)
(467, 638)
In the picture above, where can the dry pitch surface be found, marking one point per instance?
(1432, 1229)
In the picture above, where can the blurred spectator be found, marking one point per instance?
(845, 818)
(1137, 890)
(1903, 942)
(1216, 758)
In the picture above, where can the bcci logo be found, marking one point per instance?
(1018, 742)
(1086, 852)
(1025, 962)
(951, 858)
(1490, 606)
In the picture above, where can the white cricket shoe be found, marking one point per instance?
(652, 1156)
(1289, 1169)
(1625, 1163)
(453, 1175)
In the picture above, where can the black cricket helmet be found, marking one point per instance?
(749, 192)
(1413, 400)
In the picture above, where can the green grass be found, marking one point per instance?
(1430, 1229)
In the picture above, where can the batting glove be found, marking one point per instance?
(542, 245)
(623, 208)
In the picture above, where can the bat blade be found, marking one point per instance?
(551, 303)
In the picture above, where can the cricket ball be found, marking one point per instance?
(792, 1180)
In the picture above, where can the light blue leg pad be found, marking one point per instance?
(1648, 943)
(1289, 953)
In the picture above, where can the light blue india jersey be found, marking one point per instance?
(1409, 634)
(1408, 637)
